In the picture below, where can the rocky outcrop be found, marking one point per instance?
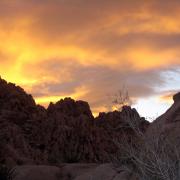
(72, 172)
(71, 132)
(20, 121)
(36, 173)
(122, 121)
(70, 108)
(169, 122)
(64, 132)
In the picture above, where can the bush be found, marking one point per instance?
(154, 157)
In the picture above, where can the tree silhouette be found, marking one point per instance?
(119, 99)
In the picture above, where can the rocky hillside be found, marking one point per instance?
(64, 132)
(168, 124)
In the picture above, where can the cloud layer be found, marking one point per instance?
(88, 49)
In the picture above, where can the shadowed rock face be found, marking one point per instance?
(65, 132)
(171, 118)
(20, 122)
(70, 107)
(72, 172)
(166, 127)
(176, 97)
(118, 121)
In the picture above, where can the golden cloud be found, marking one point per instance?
(45, 100)
(122, 36)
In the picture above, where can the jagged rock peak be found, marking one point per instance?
(70, 107)
(129, 110)
(176, 97)
(12, 96)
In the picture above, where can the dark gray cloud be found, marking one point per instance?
(100, 81)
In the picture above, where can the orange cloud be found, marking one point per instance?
(168, 97)
(45, 100)
(98, 40)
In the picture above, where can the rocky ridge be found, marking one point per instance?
(67, 136)
(65, 132)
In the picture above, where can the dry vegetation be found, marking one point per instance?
(155, 157)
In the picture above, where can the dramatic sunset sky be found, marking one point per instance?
(88, 49)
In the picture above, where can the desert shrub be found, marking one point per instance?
(119, 99)
(154, 157)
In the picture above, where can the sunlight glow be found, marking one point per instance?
(123, 38)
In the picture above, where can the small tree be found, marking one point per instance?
(120, 99)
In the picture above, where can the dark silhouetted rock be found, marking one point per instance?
(65, 132)
(70, 107)
(164, 132)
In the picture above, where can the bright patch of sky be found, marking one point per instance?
(154, 106)
(151, 107)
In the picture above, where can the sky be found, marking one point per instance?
(90, 49)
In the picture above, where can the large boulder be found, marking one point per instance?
(36, 173)
(70, 107)
(72, 138)
(71, 172)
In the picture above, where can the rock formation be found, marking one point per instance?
(72, 172)
(169, 120)
(67, 132)
(64, 132)
(168, 124)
